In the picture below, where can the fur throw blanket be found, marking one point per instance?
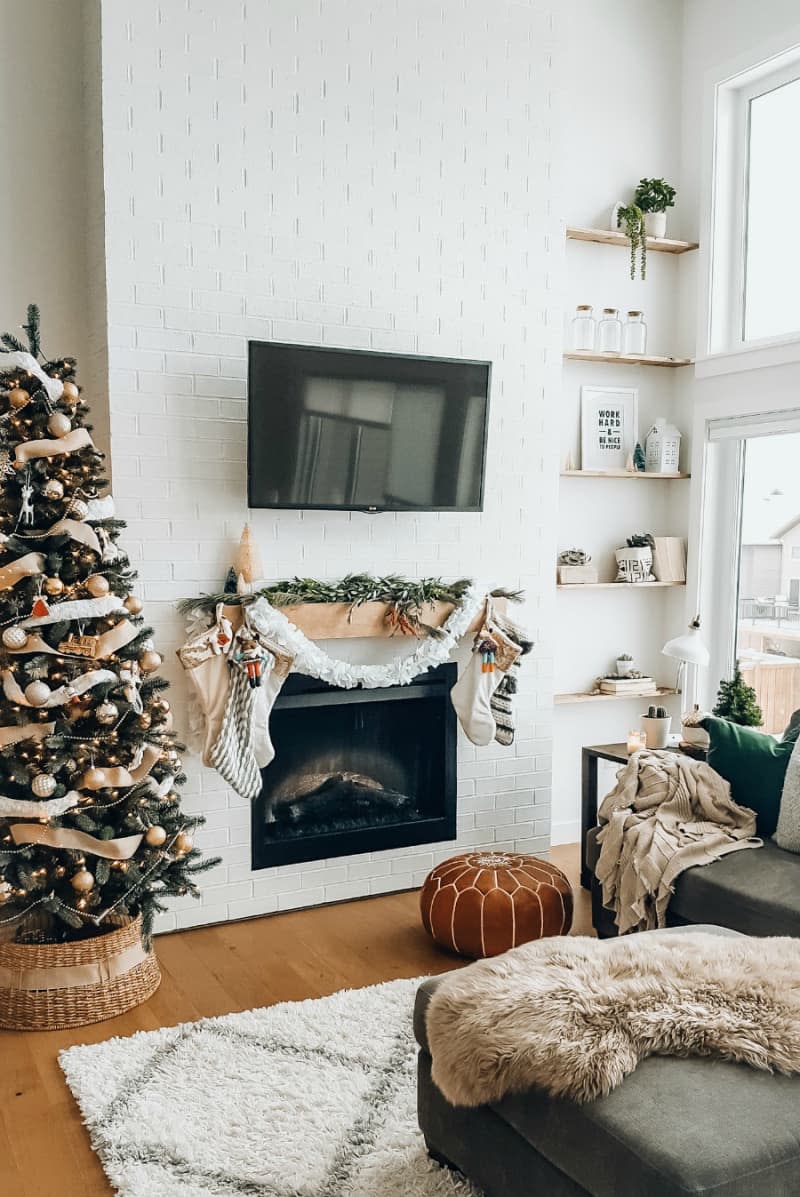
(574, 1016)
(667, 813)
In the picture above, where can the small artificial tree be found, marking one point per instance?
(738, 702)
(91, 829)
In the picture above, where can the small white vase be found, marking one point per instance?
(655, 224)
(624, 668)
(656, 731)
(613, 221)
(634, 565)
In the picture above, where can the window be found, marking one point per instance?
(753, 296)
(772, 260)
(795, 552)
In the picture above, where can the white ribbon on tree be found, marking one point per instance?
(78, 685)
(310, 659)
(27, 808)
(76, 609)
(19, 360)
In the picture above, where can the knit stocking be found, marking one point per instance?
(501, 701)
(493, 653)
(205, 659)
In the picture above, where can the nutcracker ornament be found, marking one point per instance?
(252, 657)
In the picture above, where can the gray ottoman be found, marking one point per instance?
(673, 1127)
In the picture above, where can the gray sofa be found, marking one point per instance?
(674, 1127)
(755, 891)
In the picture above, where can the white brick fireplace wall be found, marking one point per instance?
(348, 174)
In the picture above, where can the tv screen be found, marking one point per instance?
(335, 428)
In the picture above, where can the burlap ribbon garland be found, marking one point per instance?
(75, 530)
(75, 841)
(24, 567)
(100, 972)
(78, 685)
(107, 644)
(78, 439)
(28, 731)
(121, 777)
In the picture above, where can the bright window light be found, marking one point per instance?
(772, 247)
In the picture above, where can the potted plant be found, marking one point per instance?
(631, 219)
(653, 197)
(738, 702)
(624, 665)
(655, 725)
(635, 561)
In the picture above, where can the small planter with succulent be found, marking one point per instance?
(625, 666)
(635, 560)
(655, 725)
(653, 197)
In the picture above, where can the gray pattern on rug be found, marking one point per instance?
(304, 1099)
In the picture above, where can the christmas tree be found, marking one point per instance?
(91, 829)
(738, 702)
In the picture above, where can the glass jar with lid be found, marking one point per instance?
(609, 332)
(634, 335)
(584, 327)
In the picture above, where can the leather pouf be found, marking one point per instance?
(483, 903)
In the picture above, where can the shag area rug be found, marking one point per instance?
(304, 1099)
(575, 1016)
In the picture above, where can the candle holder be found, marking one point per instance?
(637, 740)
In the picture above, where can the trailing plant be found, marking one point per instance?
(630, 217)
(404, 596)
(654, 195)
(737, 702)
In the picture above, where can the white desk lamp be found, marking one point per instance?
(688, 649)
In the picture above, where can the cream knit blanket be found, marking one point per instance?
(666, 813)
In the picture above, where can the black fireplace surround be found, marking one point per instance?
(357, 770)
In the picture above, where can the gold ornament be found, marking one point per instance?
(82, 881)
(155, 836)
(97, 585)
(37, 693)
(94, 779)
(43, 785)
(77, 509)
(53, 489)
(107, 712)
(53, 585)
(161, 705)
(150, 660)
(18, 398)
(71, 392)
(133, 604)
(171, 796)
(15, 637)
(184, 842)
(59, 424)
(144, 720)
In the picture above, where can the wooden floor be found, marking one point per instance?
(44, 1150)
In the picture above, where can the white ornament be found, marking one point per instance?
(26, 516)
(37, 693)
(15, 637)
(101, 509)
(77, 509)
(59, 424)
(43, 785)
(310, 659)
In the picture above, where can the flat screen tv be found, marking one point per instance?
(358, 431)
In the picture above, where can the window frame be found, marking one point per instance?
(722, 348)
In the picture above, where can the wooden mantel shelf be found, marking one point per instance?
(660, 245)
(342, 621)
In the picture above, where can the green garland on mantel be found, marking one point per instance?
(404, 596)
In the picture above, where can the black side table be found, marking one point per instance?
(617, 753)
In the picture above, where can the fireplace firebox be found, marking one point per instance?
(357, 770)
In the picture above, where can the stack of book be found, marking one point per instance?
(634, 686)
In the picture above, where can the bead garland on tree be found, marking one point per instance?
(90, 822)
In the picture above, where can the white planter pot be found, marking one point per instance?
(634, 565)
(613, 222)
(656, 731)
(625, 668)
(655, 224)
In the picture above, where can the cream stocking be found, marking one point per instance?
(493, 653)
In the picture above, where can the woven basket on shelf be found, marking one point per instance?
(45, 987)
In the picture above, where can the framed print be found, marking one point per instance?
(609, 426)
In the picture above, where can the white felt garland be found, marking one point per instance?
(78, 685)
(310, 659)
(19, 360)
(22, 808)
(76, 609)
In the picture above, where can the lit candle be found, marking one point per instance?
(636, 741)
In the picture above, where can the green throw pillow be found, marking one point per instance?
(754, 764)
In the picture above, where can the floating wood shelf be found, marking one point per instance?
(342, 621)
(659, 245)
(627, 359)
(566, 699)
(634, 475)
(615, 585)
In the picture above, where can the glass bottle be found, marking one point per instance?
(634, 335)
(609, 332)
(583, 327)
